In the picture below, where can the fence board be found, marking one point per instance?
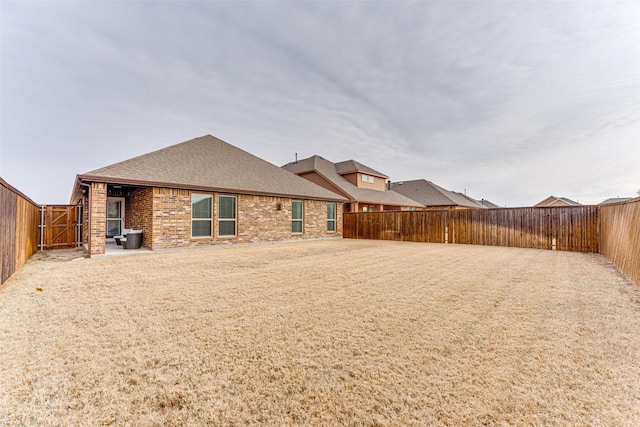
(620, 231)
(8, 203)
(19, 219)
(27, 233)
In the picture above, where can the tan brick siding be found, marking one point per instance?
(164, 216)
(171, 218)
(98, 217)
(139, 208)
(258, 220)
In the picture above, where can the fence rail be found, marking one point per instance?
(19, 220)
(620, 241)
(573, 228)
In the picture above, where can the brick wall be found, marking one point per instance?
(171, 218)
(98, 217)
(258, 220)
(139, 214)
(164, 216)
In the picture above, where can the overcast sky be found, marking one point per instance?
(510, 101)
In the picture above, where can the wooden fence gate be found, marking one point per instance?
(59, 227)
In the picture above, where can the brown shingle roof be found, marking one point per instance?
(556, 201)
(329, 171)
(614, 200)
(429, 194)
(209, 163)
(487, 204)
(351, 166)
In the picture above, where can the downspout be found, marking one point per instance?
(79, 225)
(88, 254)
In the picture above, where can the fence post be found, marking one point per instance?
(41, 226)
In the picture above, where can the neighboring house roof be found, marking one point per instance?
(351, 166)
(210, 164)
(332, 173)
(429, 194)
(556, 201)
(614, 200)
(480, 203)
(490, 205)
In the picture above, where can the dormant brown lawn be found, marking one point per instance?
(337, 332)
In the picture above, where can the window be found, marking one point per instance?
(331, 217)
(226, 216)
(368, 208)
(115, 216)
(296, 217)
(364, 178)
(201, 215)
(368, 178)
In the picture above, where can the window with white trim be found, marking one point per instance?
(201, 218)
(227, 216)
(297, 214)
(331, 217)
(368, 178)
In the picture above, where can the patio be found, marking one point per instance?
(111, 248)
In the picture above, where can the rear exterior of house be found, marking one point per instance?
(203, 192)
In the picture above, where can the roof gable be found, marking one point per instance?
(329, 171)
(212, 164)
(556, 201)
(351, 166)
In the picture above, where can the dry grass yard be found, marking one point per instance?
(342, 332)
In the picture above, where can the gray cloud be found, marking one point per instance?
(512, 101)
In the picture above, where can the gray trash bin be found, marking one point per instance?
(133, 240)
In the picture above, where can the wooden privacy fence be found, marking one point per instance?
(573, 228)
(19, 220)
(26, 227)
(620, 230)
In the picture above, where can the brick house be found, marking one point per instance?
(365, 188)
(202, 192)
